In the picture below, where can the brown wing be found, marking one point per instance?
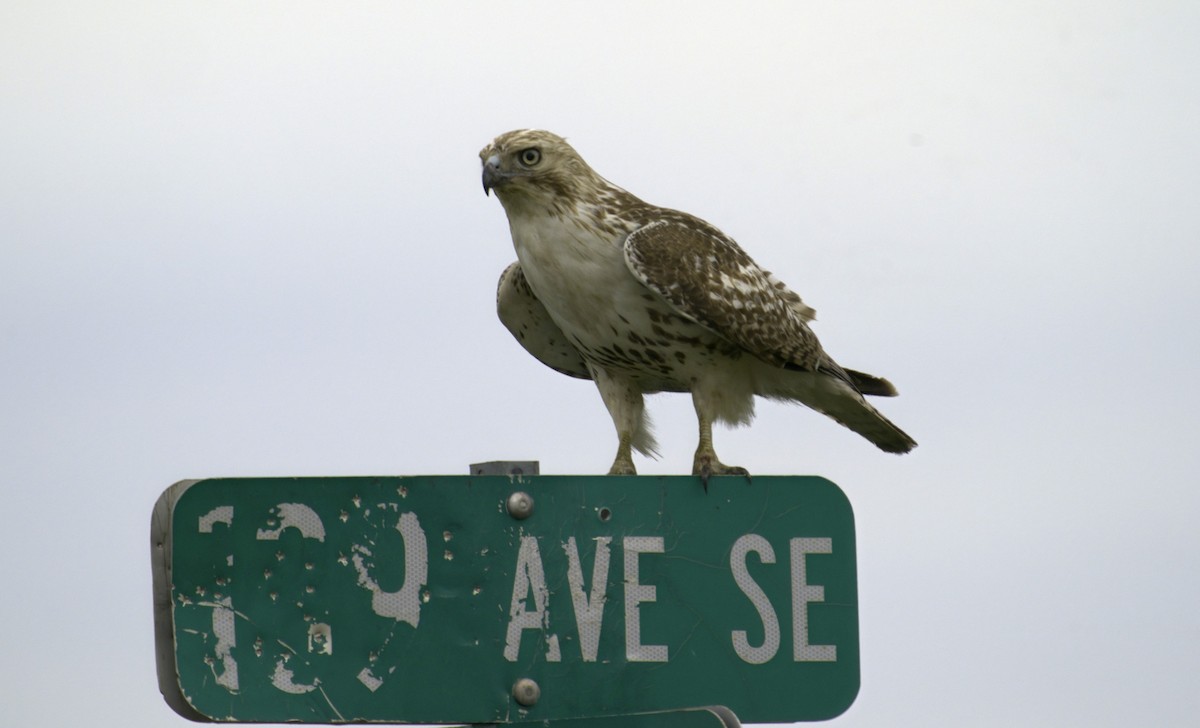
(707, 278)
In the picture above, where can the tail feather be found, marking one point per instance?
(850, 409)
(863, 382)
(839, 400)
(878, 429)
(871, 385)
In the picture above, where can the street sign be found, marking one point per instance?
(481, 599)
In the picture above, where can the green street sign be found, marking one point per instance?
(495, 599)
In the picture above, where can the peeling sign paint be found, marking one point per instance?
(283, 679)
(224, 625)
(220, 514)
(366, 677)
(297, 516)
(320, 639)
(403, 604)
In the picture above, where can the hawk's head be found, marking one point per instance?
(533, 167)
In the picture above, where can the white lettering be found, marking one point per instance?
(766, 613)
(224, 619)
(803, 594)
(285, 680)
(297, 516)
(320, 638)
(403, 605)
(368, 679)
(529, 575)
(224, 623)
(589, 611)
(220, 514)
(635, 593)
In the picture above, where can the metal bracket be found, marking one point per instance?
(506, 467)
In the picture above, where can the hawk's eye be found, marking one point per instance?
(530, 157)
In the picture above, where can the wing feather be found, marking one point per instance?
(530, 324)
(708, 279)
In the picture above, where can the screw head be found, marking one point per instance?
(520, 505)
(526, 692)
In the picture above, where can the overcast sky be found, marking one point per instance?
(249, 239)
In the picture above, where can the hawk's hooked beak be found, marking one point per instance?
(492, 176)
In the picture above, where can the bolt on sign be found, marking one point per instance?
(481, 599)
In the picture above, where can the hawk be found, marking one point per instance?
(643, 299)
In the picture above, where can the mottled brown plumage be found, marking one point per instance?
(645, 299)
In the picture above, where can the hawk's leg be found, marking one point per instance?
(623, 463)
(706, 463)
(626, 406)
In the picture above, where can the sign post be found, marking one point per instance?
(497, 599)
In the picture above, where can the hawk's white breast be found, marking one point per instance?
(580, 276)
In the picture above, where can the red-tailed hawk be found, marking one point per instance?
(643, 299)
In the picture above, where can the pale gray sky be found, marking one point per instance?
(250, 239)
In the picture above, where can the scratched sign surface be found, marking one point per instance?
(422, 599)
